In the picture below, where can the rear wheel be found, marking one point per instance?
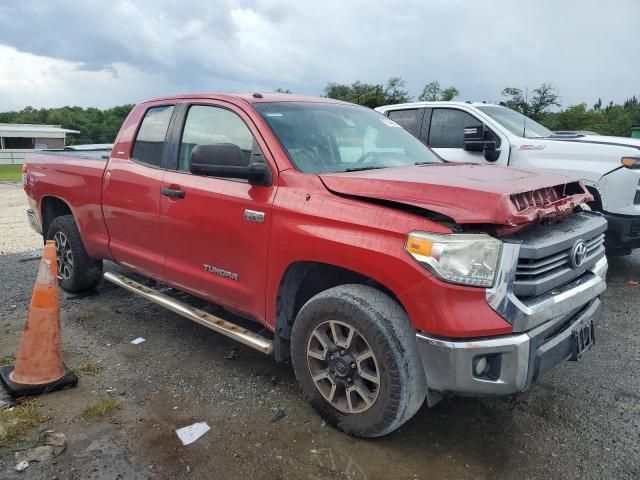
(355, 355)
(76, 270)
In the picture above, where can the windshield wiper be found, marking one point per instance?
(425, 163)
(359, 169)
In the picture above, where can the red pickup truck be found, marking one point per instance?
(385, 274)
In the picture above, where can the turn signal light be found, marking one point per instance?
(419, 246)
(631, 162)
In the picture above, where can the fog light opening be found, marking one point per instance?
(482, 366)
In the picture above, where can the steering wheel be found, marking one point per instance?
(367, 156)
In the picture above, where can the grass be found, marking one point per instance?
(11, 173)
(88, 368)
(7, 360)
(100, 409)
(16, 422)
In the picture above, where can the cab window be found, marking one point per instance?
(149, 144)
(447, 127)
(208, 125)
(409, 119)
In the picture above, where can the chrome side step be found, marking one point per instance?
(208, 320)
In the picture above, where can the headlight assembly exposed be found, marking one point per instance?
(466, 259)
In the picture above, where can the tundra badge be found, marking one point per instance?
(221, 272)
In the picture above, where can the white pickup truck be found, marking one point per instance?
(489, 133)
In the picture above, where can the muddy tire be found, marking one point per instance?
(77, 271)
(355, 355)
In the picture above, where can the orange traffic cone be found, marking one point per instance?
(39, 367)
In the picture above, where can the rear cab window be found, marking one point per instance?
(149, 145)
(409, 119)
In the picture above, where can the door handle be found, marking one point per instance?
(172, 192)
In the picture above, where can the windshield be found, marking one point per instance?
(516, 122)
(326, 137)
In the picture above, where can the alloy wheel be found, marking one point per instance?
(343, 367)
(64, 256)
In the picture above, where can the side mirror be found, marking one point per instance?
(474, 141)
(492, 154)
(227, 160)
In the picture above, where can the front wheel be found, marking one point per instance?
(76, 270)
(355, 355)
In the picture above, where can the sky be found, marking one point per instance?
(97, 53)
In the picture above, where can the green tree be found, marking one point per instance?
(515, 100)
(611, 120)
(95, 125)
(542, 99)
(395, 91)
(449, 94)
(369, 94)
(432, 92)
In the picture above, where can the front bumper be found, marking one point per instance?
(515, 361)
(623, 232)
(545, 337)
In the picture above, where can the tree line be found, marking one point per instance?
(95, 125)
(542, 104)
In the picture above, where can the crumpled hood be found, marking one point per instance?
(467, 193)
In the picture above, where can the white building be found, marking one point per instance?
(18, 138)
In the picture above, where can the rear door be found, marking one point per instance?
(217, 229)
(131, 195)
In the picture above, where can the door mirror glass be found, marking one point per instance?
(475, 140)
(228, 161)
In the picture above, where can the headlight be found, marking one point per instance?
(467, 259)
(631, 162)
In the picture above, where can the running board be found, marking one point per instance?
(208, 320)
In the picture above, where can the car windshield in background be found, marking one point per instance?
(326, 137)
(516, 122)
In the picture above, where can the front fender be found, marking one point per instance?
(369, 239)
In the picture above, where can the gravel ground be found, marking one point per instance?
(580, 421)
(15, 233)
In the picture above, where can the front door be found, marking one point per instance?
(443, 131)
(131, 196)
(217, 229)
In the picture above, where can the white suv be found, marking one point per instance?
(489, 133)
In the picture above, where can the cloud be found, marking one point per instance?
(38, 81)
(583, 47)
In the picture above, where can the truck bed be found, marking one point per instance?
(97, 154)
(76, 177)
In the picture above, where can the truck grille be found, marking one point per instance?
(545, 253)
(635, 227)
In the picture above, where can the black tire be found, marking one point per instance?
(383, 325)
(84, 273)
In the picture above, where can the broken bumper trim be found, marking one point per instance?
(33, 221)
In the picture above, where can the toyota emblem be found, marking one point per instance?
(578, 254)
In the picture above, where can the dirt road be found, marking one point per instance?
(582, 420)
